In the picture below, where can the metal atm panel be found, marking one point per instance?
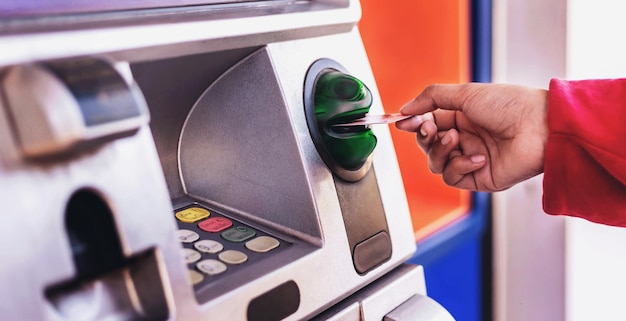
(213, 200)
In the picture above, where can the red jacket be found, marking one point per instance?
(585, 160)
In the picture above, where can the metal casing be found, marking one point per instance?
(144, 176)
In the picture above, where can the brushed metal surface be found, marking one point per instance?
(136, 175)
(419, 307)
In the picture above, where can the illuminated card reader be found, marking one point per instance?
(332, 96)
(59, 105)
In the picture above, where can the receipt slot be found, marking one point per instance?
(60, 105)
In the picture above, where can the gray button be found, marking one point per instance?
(191, 255)
(208, 246)
(211, 267)
(187, 236)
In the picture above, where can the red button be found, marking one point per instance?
(215, 224)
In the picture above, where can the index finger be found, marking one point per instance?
(450, 97)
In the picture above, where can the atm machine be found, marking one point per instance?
(177, 160)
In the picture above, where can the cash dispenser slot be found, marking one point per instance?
(106, 281)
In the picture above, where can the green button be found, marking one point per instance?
(238, 234)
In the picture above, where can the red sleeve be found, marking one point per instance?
(585, 160)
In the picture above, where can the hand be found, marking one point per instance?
(481, 137)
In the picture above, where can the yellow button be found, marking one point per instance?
(195, 277)
(192, 214)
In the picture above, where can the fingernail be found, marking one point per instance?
(446, 139)
(477, 159)
(423, 131)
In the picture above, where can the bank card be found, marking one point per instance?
(375, 119)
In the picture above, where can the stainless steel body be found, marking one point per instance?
(224, 90)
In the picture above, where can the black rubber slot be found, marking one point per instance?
(92, 234)
(275, 304)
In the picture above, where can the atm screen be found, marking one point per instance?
(50, 7)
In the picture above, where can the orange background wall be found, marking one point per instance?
(412, 44)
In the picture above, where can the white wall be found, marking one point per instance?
(596, 39)
(529, 245)
(595, 254)
(555, 268)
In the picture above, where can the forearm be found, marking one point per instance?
(585, 159)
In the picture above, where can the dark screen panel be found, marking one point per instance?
(101, 93)
(51, 7)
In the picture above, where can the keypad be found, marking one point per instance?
(215, 245)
